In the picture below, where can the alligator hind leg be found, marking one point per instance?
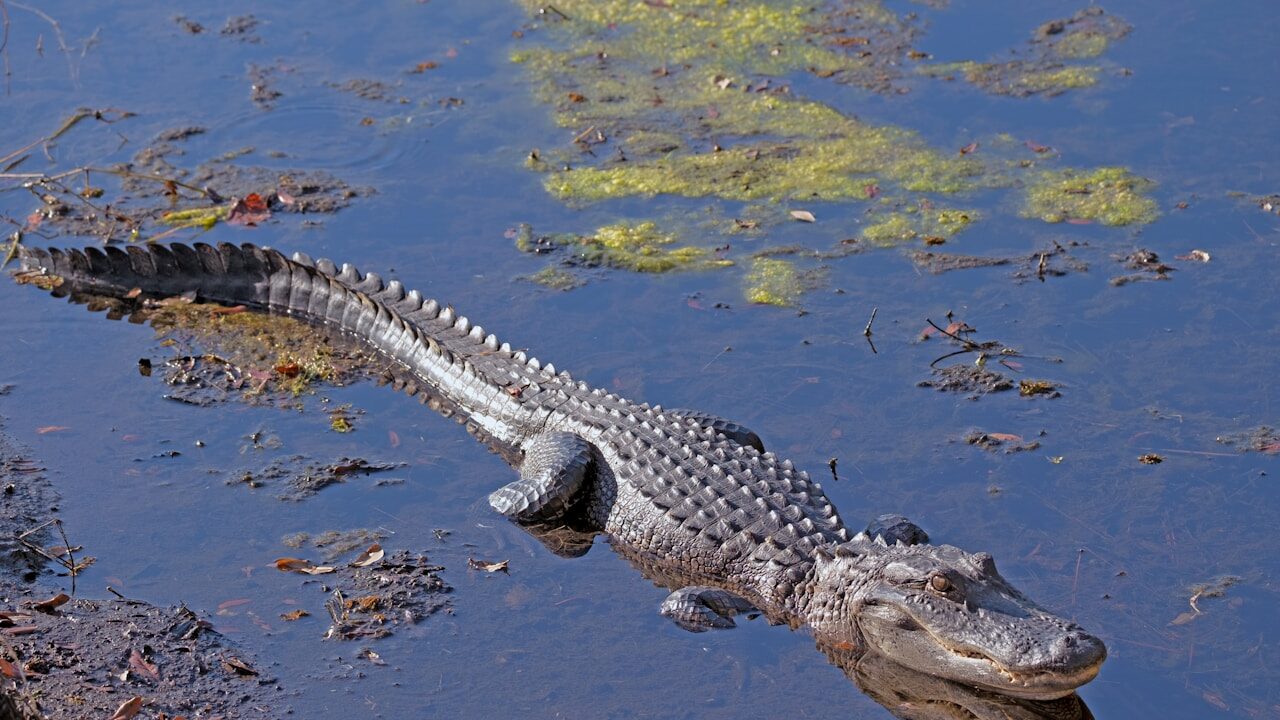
(735, 431)
(556, 467)
(699, 608)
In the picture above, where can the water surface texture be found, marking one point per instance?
(666, 165)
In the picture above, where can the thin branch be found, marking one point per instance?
(4, 48)
(72, 70)
(968, 344)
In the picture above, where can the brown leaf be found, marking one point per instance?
(140, 665)
(369, 557)
(487, 566)
(1150, 459)
(10, 670)
(1005, 437)
(48, 606)
(295, 614)
(238, 667)
(302, 566)
(249, 211)
(133, 293)
(803, 216)
(971, 147)
(128, 708)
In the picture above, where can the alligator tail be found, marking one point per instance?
(429, 339)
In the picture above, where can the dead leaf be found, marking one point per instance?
(140, 665)
(369, 557)
(803, 216)
(1150, 459)
(1005, 437)
(238, 667)
(128, 708)
(971, 147)
(48, 606)
(133, 293)
(394, 438)
(302, 566)
(487, 566)
(1036, 147)
(1184, 618)
(51, 429)
(10, 670)
(1196, 255)
(295, 615)
(249, 211)
(372, 656)
(228, 604)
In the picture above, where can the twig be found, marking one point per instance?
(867, 330)
(717, 357)
(72, 70)
(555, 10)
(70, 122)
(1076, 582)
(13, 248)
(70, 553)
(117, 594)
(969, 345)
(4, 47)
(582, 135)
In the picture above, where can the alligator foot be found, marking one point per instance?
(736, 432)
(699, 608)
(555, 468)
(894, 528)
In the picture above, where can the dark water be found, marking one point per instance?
(1151, 367)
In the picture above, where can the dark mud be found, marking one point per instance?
(300, 478)
(1005, 443)
(967, 378)
(1146, 266)
(85, 658)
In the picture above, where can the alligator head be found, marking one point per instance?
(942, 611)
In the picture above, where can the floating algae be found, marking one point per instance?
(779, 282)
(639, 247)
(1108, 195)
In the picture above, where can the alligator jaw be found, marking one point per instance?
(896, 633)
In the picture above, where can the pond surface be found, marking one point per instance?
(428, 112)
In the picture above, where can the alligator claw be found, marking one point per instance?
(699, 608)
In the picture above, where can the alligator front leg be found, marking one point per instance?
(735, 431)
(699, 608)
(555, 469)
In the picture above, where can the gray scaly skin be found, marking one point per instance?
(690, 496)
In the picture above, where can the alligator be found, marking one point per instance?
(691, 498)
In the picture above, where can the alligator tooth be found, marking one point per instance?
(303, 259)
(491, 341)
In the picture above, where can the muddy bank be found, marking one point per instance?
(64, 658)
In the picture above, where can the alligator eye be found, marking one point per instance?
(940, 583)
